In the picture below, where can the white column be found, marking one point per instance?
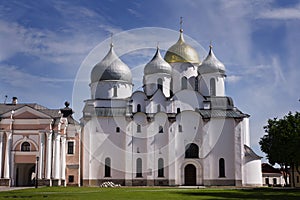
(63, 157)
(7, 155)
(1, 153)
(57, 157)
(49, 155)
(41, 155)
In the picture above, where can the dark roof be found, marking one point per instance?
(221, 113)
(250, 153)
(266, 168)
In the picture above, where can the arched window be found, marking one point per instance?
(160, 84)
(118, 129)
(178, 110)
(107, 167)
(196, 84)
(221, 167)
(115, 91)
(158, 108)
(267, 181)
(160, 167)
(274, 181)
(212, 87)
(138, 108)
(179, 128)
(183, 83)
(138, 128)
(191, 151)
(139, 167)
(25, 146)
(160, 129)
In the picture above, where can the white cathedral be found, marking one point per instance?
(181, 129)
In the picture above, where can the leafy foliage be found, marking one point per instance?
(282, 141)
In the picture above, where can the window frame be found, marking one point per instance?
(73, 149)
(222, 171)
(139, 168)
(160, 168)
(71, 179)
(138, 128)
(26, 148)
(107, 167)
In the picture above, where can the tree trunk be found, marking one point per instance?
(293, 174)
(297, 168)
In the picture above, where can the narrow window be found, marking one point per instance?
(160, 167)
(297, 179)
(178, 110)
(25, 146)
(70, 147)
(160, 129)
(118, 129)
(107, 167)
(159, 84)
(274, 181)
(139, 168)
(71, 179)
(138, 129)
(221, 167)
(138, 108)
(267, 181)
(138, 150)
(212, 87)
(196, 84)
(158, 108)
(179, 128)
(191, 151)
(183, 83)
(115, 91)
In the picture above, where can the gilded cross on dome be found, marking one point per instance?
(181, 22)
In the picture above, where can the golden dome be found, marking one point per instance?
(181, 52)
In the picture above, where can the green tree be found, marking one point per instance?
(282, 142)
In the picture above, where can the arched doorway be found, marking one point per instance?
(24, 174)
(190, 175)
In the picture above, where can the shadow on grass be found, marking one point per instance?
(244, 194)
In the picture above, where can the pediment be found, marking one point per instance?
(26, 112)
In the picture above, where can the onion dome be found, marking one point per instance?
(181, 52)
(157, 65)
(211, 64)
(111, 68)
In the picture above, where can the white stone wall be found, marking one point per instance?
(180, 70)
(204, 84)
(105, 90)
(151, 83)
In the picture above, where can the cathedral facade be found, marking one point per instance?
(181, 129)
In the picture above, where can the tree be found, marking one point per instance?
(282, 141)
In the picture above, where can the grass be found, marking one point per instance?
(132, 193)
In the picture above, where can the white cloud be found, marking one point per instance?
(134, 12)
(281, 13)
(233, 78)
(18, 78)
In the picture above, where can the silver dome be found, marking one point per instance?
(111, 68)
(211, 64)
(157, 65)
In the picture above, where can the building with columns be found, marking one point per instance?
(37, 142)
(181, 129)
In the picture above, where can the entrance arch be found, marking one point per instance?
(24, 174)
(190, 175)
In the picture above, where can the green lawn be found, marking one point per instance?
(145, 193)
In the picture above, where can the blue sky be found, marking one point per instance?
(44, 43)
